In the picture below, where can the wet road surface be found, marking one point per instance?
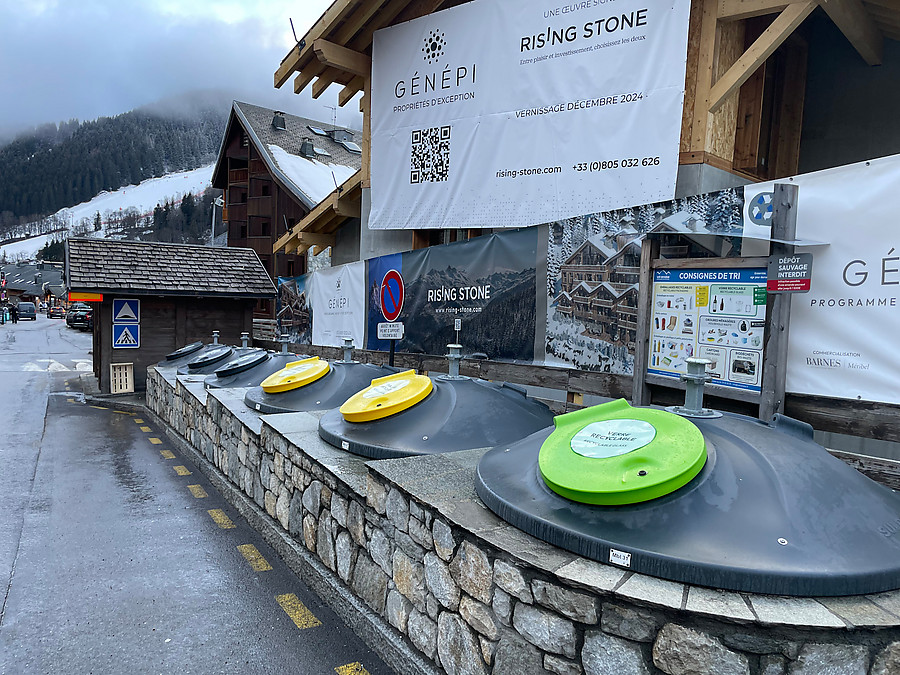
(116, 554)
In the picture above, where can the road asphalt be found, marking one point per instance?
(118, 556)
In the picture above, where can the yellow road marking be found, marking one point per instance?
(99, 407)
(71, 400)
(223, 521)
(155, 441)
(138, 420)
(197, 491)
(351, 669)
(167, 454)
(123, 412)
(298, 612)
(254, 557)
(182, 470)
(146, 429)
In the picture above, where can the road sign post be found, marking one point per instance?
(392, 292)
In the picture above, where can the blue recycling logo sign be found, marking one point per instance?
(761, 208)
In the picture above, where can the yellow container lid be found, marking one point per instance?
(295, 374)
(387, 396)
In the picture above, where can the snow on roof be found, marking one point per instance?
(313, 177)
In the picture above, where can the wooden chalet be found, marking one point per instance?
(277, 168)
(773, 88)
(175, 294)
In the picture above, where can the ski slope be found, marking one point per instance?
(144, 197)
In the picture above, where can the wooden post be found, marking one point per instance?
(778, 306)
(640, 393)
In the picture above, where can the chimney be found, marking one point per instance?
(278, 120)
(307, 149)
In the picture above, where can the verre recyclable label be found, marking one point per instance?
(611, 438)
(385, 389)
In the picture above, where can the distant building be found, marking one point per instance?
(275, 169)
(30, 282)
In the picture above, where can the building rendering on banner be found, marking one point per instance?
(275, 169)
(447, 114)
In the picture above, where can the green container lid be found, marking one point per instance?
(614, 454)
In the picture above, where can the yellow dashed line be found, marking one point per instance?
(223, 521)
(99, 407)
(146, 429)
(197, 491)
(71, 400)
(182, 470)
(351, 669)
(298, 612)
(254, 557)
(155, 441)
(123, 412)
(167, 454)
(138, 420)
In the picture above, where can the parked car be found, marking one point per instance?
(27, 311)
(56, 312)
(72, 314)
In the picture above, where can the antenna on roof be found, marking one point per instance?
(333, 116)
(336, 186)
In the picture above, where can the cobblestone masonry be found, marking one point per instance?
(474, 595)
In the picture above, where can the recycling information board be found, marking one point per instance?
(126, 319)
(716, 314)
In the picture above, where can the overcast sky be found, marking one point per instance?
(63, 59)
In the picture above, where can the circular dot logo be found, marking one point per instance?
(434, 45)
(761, 208)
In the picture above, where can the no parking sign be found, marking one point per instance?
(392, 295)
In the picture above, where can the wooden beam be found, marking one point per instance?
(363, 40)
(342, 58)
(705, 65)
(320, 85)
(857, 26)
(315, 239)
(350, 90)
(348, 208)
(338, 11)
(759, 51)
(308, 74)
(735, 10)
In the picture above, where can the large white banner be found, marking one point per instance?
(337, 299)
(844, 337)
(511, 113)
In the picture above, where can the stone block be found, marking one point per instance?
(479, 616)
(720, 604)
(472, 571)
(793, 612)
(458, 650)
(653, 591)
(345, 554)
(545, 630)
(381, 550)
(370, 583)
(684, 651)
(888, 660)
(398, 609)
(422, 631)
(440, 582)
(339, 508)
(325, 542)
(603, 653)
(376, 495)
(309, 532)
(487, 649)
(396, 507)
(295, 514)
(579, 607)
(356, 520)
(409, 576)
(510, 579)
(590, 575)
(420, 534)
(515, 656)
(561, 666)
(270, 500)
(444, 543)
(283, 507)
(312, 498)
(831, 659)
(503, 606)
(629, 622)
(772, 664)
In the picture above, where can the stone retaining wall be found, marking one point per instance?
(474, 595)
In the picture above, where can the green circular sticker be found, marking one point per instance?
(611, 438)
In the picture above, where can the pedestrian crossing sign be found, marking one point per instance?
(127, 311)
(126, 336)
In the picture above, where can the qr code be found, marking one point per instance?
(430, 158)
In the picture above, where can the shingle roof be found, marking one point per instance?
(153, 268)
(257, 122)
